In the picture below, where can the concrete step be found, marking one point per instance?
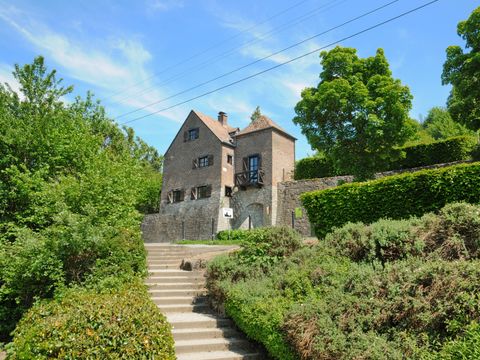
(204, 333)
(185, 308)
(221, 355)
(154, 285)
(216, 344)
(179, 300)
(174, 280)
(176, 292)
(197, 320)
(174, 272)
(173, 266)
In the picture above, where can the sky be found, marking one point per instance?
(141, 58)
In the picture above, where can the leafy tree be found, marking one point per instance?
(256, 114)
(440, 125)
(72, 183)
(462, 71)
(357, 114)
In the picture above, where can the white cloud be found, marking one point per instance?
(7, 77)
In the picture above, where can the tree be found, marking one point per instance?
(256, 114)
(462, 71)
(440, 125)
(357, 114)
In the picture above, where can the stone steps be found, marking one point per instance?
(180, 295)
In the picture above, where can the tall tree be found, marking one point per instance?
(440, 125)
(357, 114)
(462, 71)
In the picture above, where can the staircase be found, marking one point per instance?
(199, 334)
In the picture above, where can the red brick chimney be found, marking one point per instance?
(222, 118)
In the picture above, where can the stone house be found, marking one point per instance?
(212, 165)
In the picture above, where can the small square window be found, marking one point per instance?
(228, 191)
(203, 161)
(229, 159)
(177, 196)
(204, 192)
(193, 134)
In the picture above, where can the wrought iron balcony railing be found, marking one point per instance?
(249, 178)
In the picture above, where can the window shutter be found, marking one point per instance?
(245, 164)
(210, 160)
(169, 197)
(193, 194)
(185, 136)
(182, 195)
(259, 161)
(195, 163)
(209, 191)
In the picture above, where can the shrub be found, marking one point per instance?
(438, 152)
(233, 235)
(84, 324)
(395, 197)
(317, 166)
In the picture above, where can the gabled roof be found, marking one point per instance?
(220, 131)
(261, 123)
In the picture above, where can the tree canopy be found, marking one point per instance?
(256, 114)
(357, 114)
(440, 125)
(462, 71)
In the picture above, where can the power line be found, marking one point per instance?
(261, 59)
(216, 59)
(209, 48)
(284, 63)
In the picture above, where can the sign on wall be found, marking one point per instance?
(227, 213)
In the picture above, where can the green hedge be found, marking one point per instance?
(438, 152)
(395, 197)
(314, 167)
(85, 324)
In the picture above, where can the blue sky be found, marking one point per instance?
(134, 53)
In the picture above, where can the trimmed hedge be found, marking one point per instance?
(314, 167)
(395, 197)
(439, 152)
(85, 324)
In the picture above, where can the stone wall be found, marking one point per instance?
(289, 199)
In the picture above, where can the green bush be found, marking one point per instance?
(312, 167)
(233, 235)
(395, 197)
(84, 324)
(438, 152)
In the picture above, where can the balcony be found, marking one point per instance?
(249, 178)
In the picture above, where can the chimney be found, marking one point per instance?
(222, 118)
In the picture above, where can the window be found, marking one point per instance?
(228, 191)
(175, 196)
(191, 134)
(253, 166)
(204, 192)
(203, 161)
(229, 159)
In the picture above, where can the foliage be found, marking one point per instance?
(395, 197)
(436, 152)
(261, 249)
(235, 235)
(462, 71)
(358, 112)
(256, 114)
(440, 125)
(318, 166)
(418, 134)
(85, 324)
(335, 300)
(71, 185)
